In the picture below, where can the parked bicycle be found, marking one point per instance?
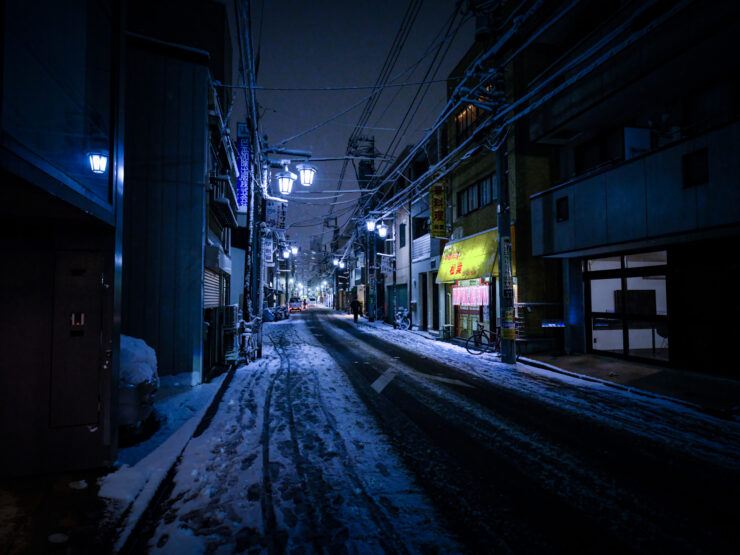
(483, 341)
(249, 339)
(402, 319)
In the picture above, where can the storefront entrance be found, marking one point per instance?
(627, 305)
(471, 299)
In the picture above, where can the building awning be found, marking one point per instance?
(470, 258)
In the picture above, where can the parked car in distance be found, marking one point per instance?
(295, 304)
(311, 301)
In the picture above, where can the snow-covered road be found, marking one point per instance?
(293, 462)
(364, 439)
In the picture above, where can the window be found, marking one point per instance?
(462, 203)
(402, 235)
(485, 191)
(561, 209)
(421, 226)
(695, 168)
(473, 198)
(465, 122)
(476, 196)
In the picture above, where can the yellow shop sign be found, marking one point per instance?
(469, 258)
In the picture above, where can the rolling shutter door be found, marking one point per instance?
(211, 289)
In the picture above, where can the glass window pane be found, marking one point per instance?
(603, 294)
(485, 191)
(607, 335)
(472, 198)
(648, 339)
(657, 258)
(608, 263)
(646, 296)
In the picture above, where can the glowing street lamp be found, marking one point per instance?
(294, 250)
(341, 264)
(335, 261)
(370, 225)
(98, 162)
(307, 173)
(285, 180)
(382, 230)
(286, 253)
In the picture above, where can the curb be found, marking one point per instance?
(127, 541)
(731, 415)
(718, 413)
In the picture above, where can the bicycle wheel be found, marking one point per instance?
(477, 344)
(405, 323)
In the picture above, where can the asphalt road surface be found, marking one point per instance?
(477, 467)
(512, 474)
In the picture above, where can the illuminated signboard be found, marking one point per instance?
(469, 258)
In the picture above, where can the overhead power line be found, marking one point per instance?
(338, 87)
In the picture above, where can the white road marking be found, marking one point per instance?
(384, 379)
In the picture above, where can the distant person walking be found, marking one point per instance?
(355, 306)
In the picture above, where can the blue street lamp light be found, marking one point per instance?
(98, 161)
(370, 225)
(382, 230)
(285, 181)
(307, 173)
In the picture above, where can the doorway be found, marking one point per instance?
(424, 302)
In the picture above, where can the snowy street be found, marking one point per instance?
(360, 438)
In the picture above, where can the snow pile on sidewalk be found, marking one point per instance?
(138, 361)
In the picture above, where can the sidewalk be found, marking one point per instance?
(65, 513)
(713, 394)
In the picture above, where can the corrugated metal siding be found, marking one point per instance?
(164, 207)
(211, 289)
(420, 248)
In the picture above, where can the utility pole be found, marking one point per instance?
(506, 285)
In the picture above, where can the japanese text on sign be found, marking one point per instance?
(438, 211)
(242, 183)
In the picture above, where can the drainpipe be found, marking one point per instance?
(506, 287)
(411, 266)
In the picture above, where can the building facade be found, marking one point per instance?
(61, 187)
(643, 208)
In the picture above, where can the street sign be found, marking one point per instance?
(438, 211)
(242, 182)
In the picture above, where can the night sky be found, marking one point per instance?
(339, 44)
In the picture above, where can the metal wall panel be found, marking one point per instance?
(643, 199)
(165, 203)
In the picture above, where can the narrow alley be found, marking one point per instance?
(357, 438)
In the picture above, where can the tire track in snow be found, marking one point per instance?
(390, 541)
(656, 493)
